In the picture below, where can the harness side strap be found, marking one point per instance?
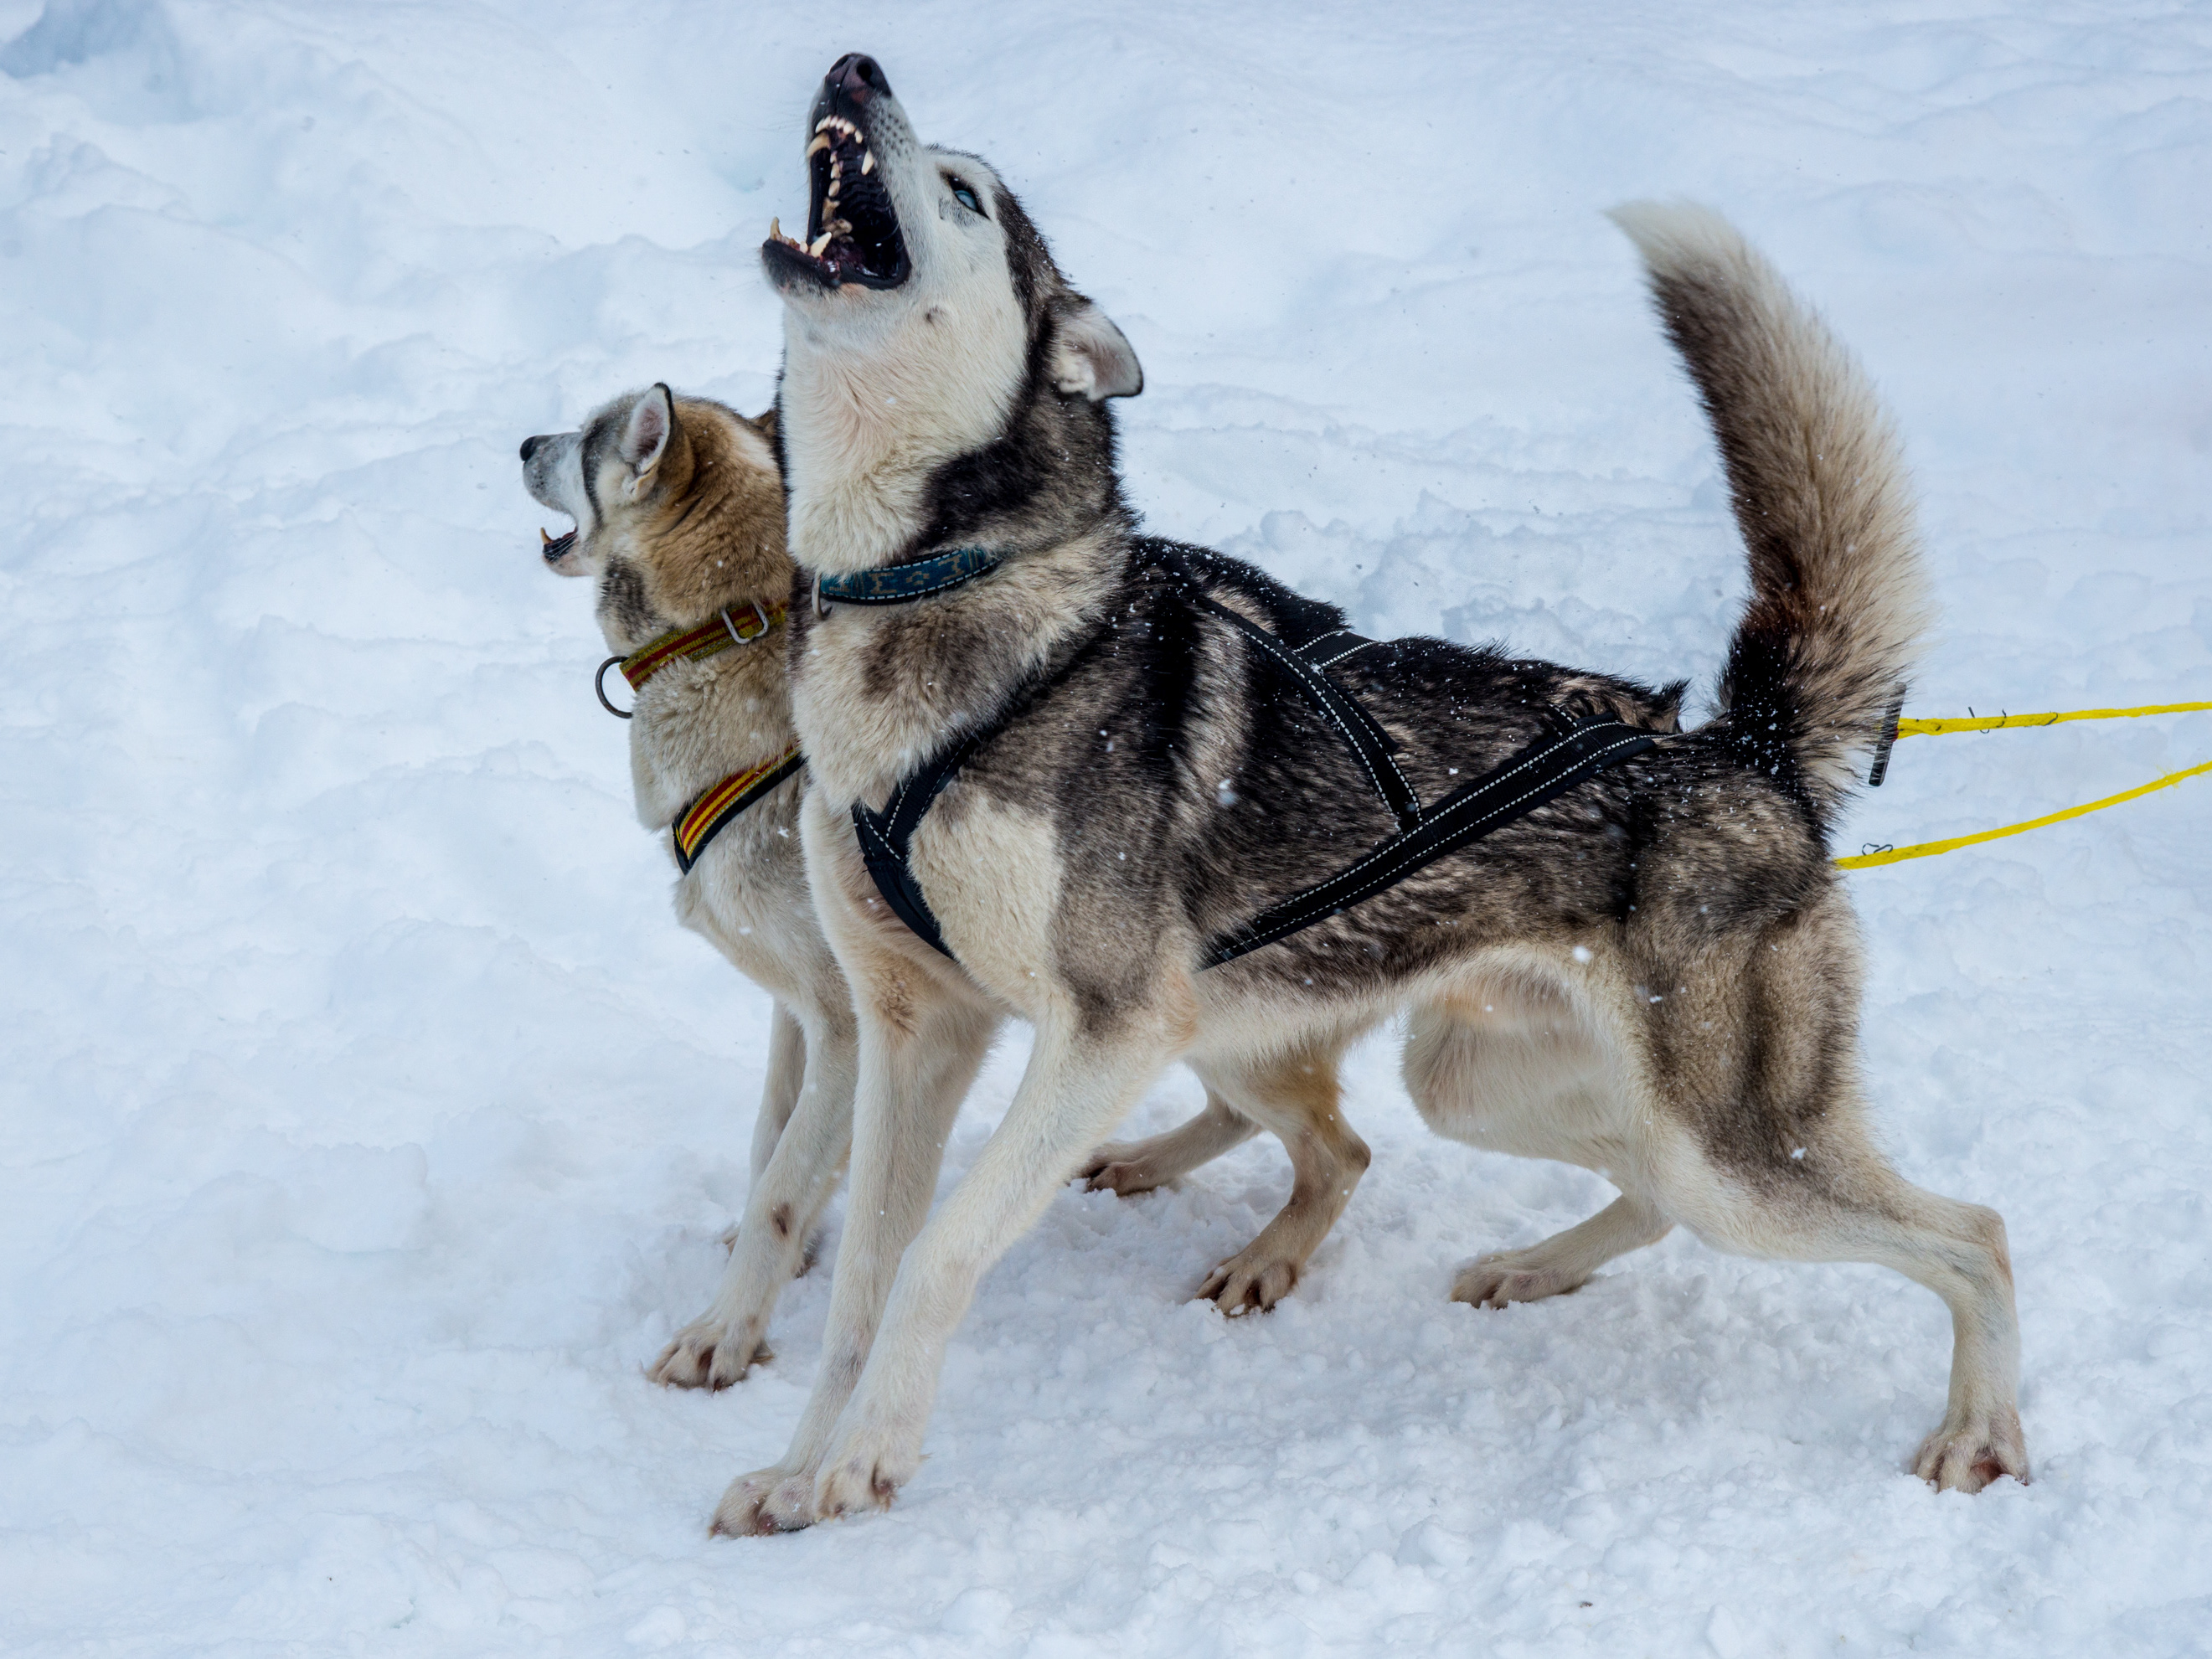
(1544, 770)
(886, 838)
(1368, 742)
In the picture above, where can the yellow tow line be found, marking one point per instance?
(1933, 728)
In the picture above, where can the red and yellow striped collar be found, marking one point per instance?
(707, 639)
(706, 816)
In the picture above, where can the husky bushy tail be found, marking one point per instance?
(1839, 594)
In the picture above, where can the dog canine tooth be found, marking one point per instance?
(818, 244)
(821, 142)
(867, 162)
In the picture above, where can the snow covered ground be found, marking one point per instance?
(367, 1124)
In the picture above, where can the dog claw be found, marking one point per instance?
(1112, 1170)
(1238, 1287)
(763, 1503)
(1510, 1276)
(1968, 1455)
(703, 1355)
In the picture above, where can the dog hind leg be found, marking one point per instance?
(1564, 1261)
(1836, 1199)
(1509, 1068)
(1139, 1166)
(1748, 1073)
(1297, 1097)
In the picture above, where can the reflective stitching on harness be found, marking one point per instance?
(1301, 910)
(1349, 651)
(1299, 667)
(1362, 734)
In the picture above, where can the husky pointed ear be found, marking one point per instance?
(645, 439)
(1092, 358)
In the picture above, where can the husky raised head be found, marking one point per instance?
(1655, 975)
(679, 519)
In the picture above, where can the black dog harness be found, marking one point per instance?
(1572, 751)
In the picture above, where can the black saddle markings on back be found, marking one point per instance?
(1544, 769)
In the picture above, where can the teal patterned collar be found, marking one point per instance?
(896, 584)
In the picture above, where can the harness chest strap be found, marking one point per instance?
(714, 811)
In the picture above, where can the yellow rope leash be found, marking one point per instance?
(1929, 849)
(1998, 722)
(1937, 728)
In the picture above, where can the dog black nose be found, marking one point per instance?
(529, 447)
(859, 77)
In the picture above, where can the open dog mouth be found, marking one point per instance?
(852, 233)
(555, 548)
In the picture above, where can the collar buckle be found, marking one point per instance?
(760, 616)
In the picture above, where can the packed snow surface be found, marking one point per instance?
(369, 1124)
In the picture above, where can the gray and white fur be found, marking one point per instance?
(679, 514)
(1655, 976)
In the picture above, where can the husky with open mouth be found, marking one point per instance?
(1061, 769)
(678, 520)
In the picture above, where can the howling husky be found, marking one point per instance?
(1065, 770)
(678, 522)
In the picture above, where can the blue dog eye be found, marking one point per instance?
(965, 196)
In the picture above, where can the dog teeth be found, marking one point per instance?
(543, 540)
(867, 162)
(821, 142)
(818, 244)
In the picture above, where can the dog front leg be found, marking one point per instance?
(1076, 1089)
(913, 1074)
(787, 1076)
(724, 1343)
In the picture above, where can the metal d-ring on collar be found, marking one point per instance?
(599, 685)
(702, 641)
